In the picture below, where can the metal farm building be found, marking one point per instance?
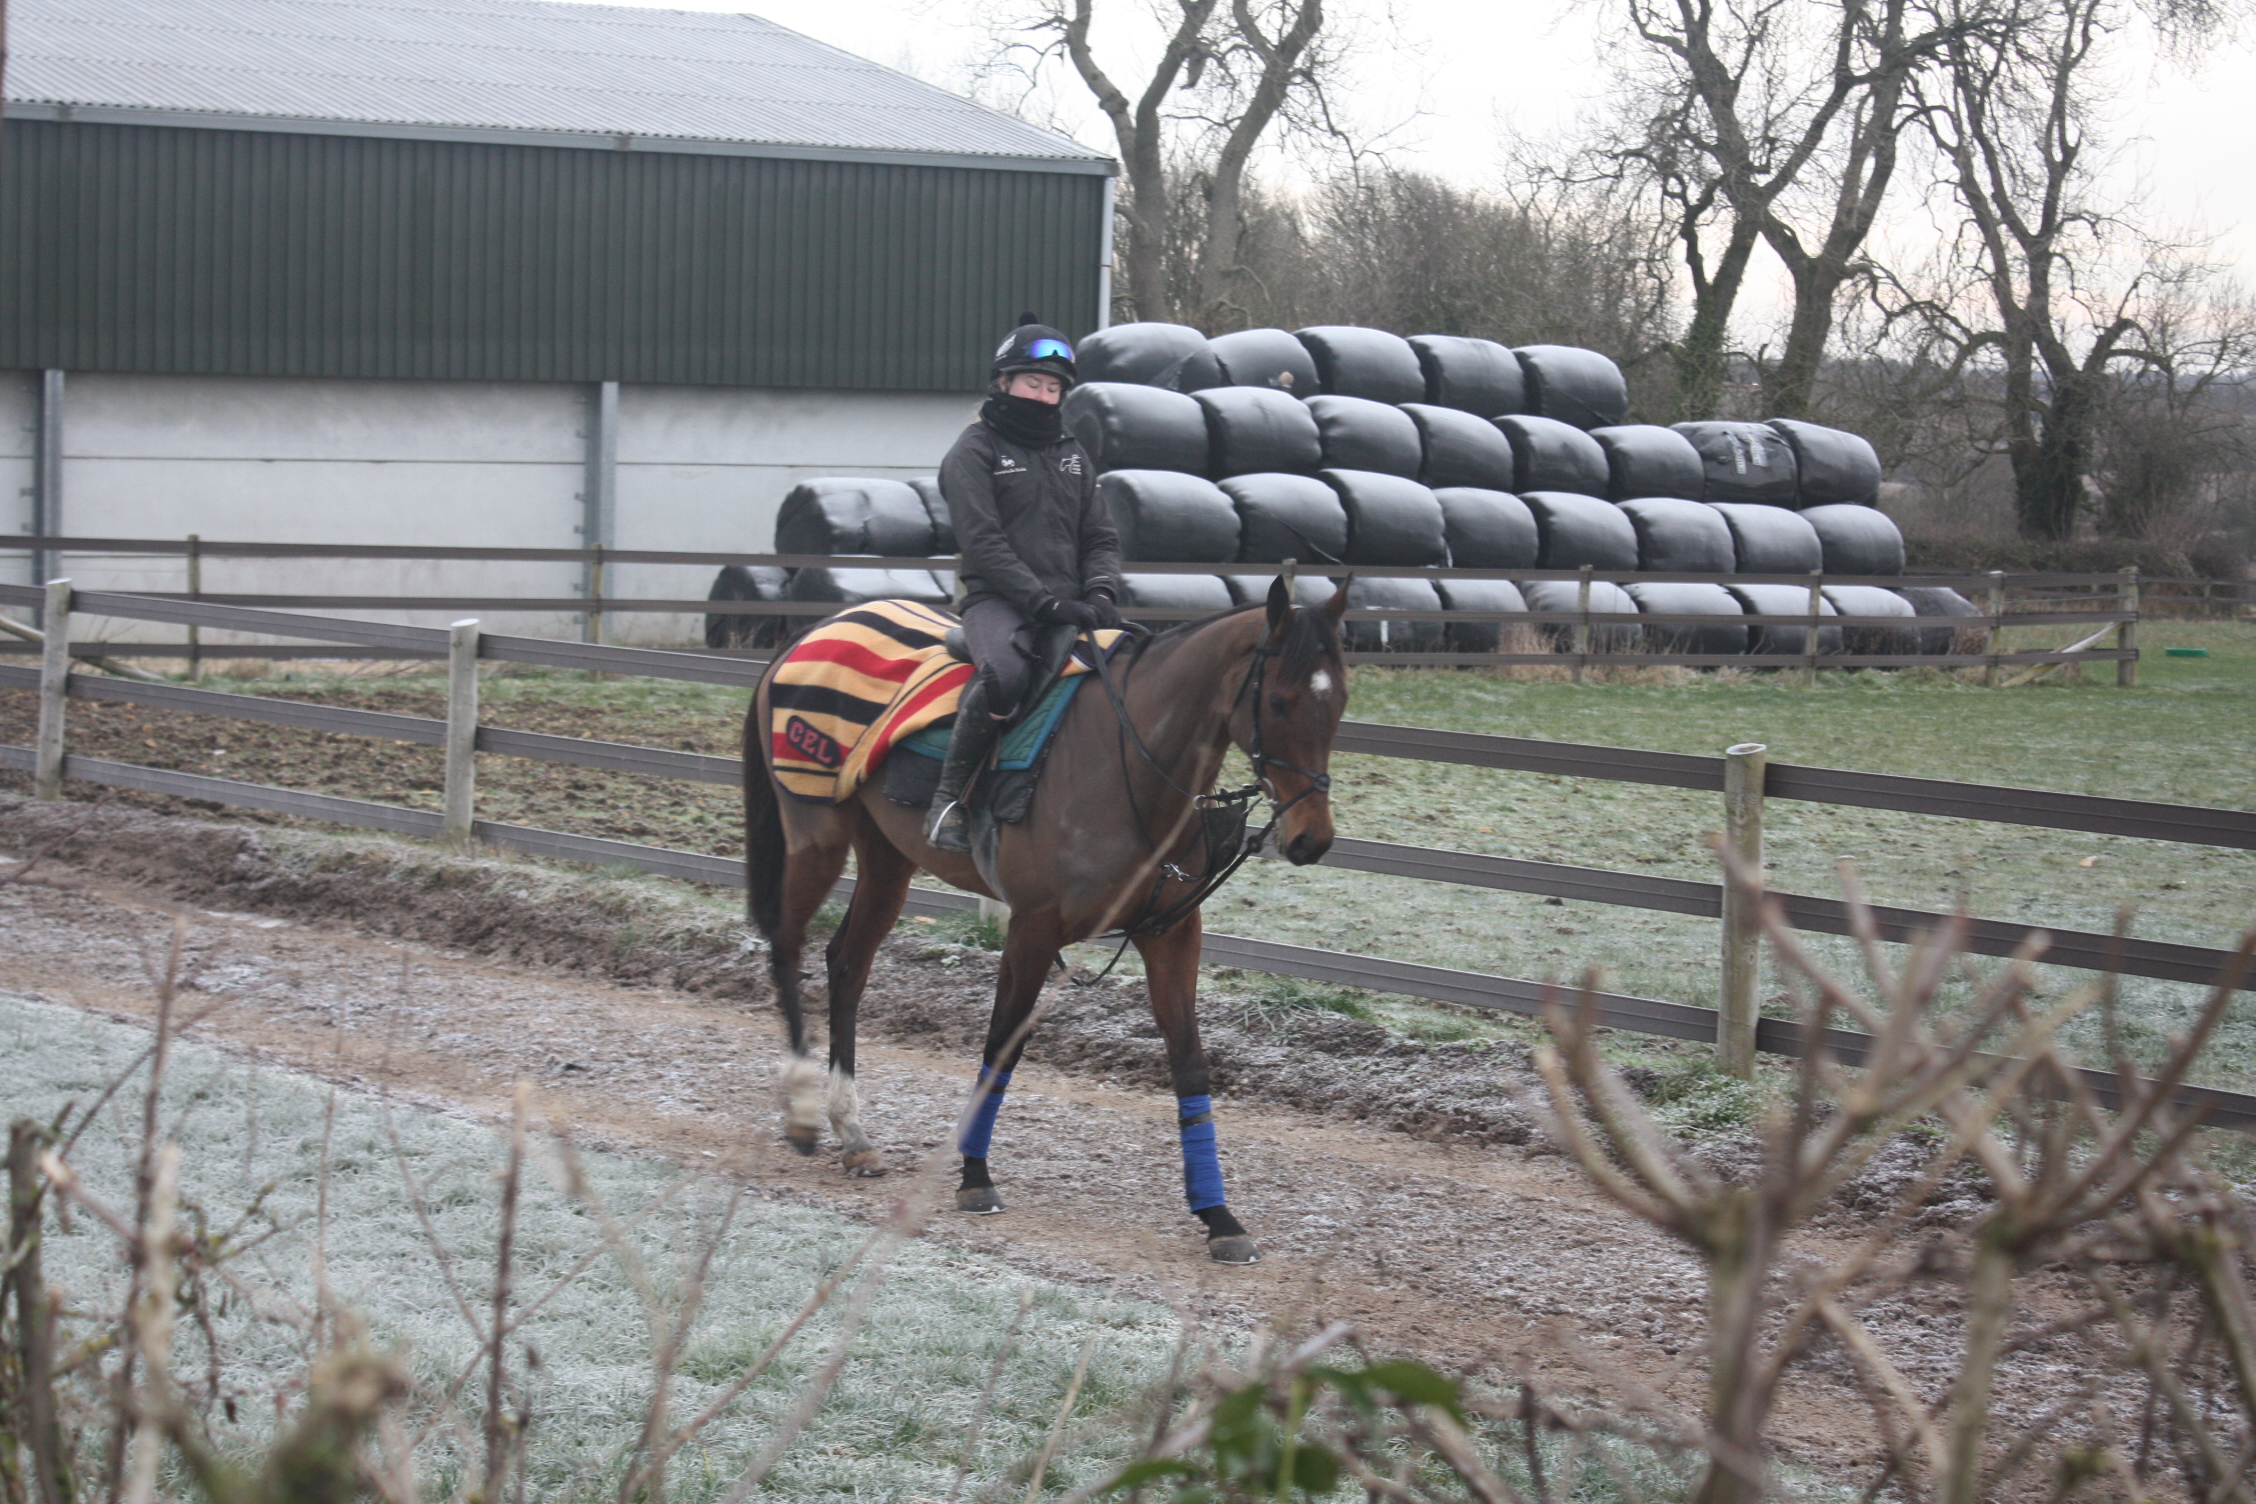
(491, 273)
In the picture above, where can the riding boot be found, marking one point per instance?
(968, 747)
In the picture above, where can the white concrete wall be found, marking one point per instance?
(453, 463)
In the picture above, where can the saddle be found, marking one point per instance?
(1001, 792)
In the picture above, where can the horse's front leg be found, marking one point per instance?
(1029, 950)
(1171, 960)
(881, 886)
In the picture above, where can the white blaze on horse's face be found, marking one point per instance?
(1320, 682)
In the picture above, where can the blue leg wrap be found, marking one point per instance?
(981, 1129)
(1202, 1166)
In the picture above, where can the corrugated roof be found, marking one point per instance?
(654, 76)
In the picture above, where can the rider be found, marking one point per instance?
(1037, 545)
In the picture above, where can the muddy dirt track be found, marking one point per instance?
(1402, 1187)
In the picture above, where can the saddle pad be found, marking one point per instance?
(857, 684)
(1022, 744)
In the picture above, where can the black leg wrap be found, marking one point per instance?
(1219, 1223)
(975, 1175)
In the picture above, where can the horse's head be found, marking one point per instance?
(1289, 715)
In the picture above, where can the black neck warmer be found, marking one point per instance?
(1023, 420)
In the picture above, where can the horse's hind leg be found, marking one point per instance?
(881, 886)
(1028, 953)
(1171, 977)
(810, 873)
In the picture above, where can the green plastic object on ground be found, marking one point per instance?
(2185, 652)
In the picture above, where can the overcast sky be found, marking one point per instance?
(1462, 77)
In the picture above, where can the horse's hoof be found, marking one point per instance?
(1236, 1249)
(866, 1164)
(980, 1201)
(805, 1140)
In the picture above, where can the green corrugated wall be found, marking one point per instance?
(157, 249)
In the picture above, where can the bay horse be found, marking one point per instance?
(1113, 841)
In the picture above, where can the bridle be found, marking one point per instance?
(1223, 814)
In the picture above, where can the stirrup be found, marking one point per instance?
(945, 830)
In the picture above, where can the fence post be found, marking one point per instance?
(461, 729)
(1816, 610)
(594, 631)
(54, 690)
(1736, 1005)
(2126, 634)
(1997, 627)
(1582, 627)
(195, 591)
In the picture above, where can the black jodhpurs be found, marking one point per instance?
(1002, 643)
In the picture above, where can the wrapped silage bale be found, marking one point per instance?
(1477, 595)
(1128, 427)
(1644, 459)
(1178, 592)
(1460, 449)
(1166, 517)
(1352, 361)
(1726, 634)
(1251, 589)
(1959, 626)
(1578, 530)
(1250, 357)
(1831, 466)
(1770, 540)
(1390, 521)
(746, 582)
(1680, 537)
(1548, 455)
(1745, 463)
(1141, 353)
(1355, 433)
(836, 514)
(1488, 529)
(1871, 600)
(1287, 517)
(927, 488)
(1574, 386)
(1606, 599)
(1477, 376)
(1253, 430)
(1856, 539)
(1785, 600)
(1391, 636)
(851, 587)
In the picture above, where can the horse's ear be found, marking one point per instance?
(1336, 607)
(1280, 605)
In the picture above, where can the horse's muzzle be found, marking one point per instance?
(1308, 846)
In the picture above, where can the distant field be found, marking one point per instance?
(2184, 736)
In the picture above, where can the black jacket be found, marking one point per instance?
(1028, 521)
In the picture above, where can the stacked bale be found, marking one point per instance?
(1831, 467)
(1785, 600)
(1548, 455)
(747, 582)
(1128, 427)
(1163, 516)
(1284, 517)
(1643, 459)
(1201, 593)
(1477, 595)
(1390, 521)
(927, 488)
(845, 515)
(1461, 450)
(1871, 600)
(1574, 386)
(1680, 537)
(1727, 634)
(1769, 540)
(1352, 361)
(1947, 607)
(1392, 636)
(1355, 433)
(1745, 463)
(1477, 376)
(1578, 530)
(1142, 353)
(1250, 357)
(1606, 599)
(1856, 539)
(1488, 530)
(851, 587)
(1256, 430)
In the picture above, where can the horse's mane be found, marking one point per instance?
(1310, 637)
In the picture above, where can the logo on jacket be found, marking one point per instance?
(1010, 466)
(811, 744)
(1071, 464)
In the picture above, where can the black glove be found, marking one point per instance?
(1099, 599)
(1079, 615)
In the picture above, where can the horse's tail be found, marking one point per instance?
(763, 833)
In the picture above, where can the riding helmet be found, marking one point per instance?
(1035, 346)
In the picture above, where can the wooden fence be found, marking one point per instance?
(2097, 604)
(1744, 777)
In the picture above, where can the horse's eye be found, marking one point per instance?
(1279, 704)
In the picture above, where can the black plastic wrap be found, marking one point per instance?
(1785, 600)
(1141, 353)
(1573, 385)
(1548, 455)
(1390, 520)
(1353, 361)
(1579, 530)
(1164, 517)
(1488, 529)
(1477, 376)
(1949, 608)
(1178, 592)
(1460, 449)
(1358, 434)
(1644, 459)
(1871, 600)
(1253, 430)
(927, 488)
(1857, 539)
(1727, 634)
(837, 514)
(1831, 466)
(1392, 636)
(1250, 357)
(746, 582)
(1606, 598)
(1770, 540)
(1677, 536)
(851, 587)
(1476, 595)
(1284, 517)
(1250, 589)
(1127, 427)
(1745, 462)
